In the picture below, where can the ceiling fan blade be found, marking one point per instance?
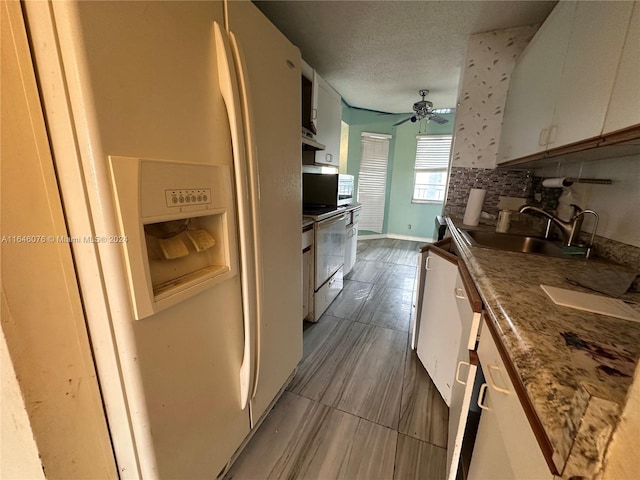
(444, 110)
(402, 121)
(438, 119)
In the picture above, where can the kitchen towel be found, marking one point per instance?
(474, 207)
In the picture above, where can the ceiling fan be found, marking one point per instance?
(424, 109)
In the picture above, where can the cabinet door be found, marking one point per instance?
(307, 259)
(462, 387)
(533, 87)
(440, 330)
(489, 459)
(350, 248)
(624, 107)
(329, 111)
(523, 451)
(461, 393)
(597, 39)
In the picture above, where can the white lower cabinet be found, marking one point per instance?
(439, 330)
(307, 273)
(327, 294)
(469, 308)
(351, 247)
(489, 460)
(445, 337)
(505, 445)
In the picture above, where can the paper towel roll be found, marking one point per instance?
(474, 206)
(556, 182)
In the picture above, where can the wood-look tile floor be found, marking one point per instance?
(360, 406)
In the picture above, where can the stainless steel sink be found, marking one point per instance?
(512, 243)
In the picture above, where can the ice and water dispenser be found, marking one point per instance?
(179, 222)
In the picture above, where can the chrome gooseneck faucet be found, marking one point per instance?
(570, 230)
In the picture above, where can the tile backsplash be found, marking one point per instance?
(498, 182)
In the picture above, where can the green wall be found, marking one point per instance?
(399, 211)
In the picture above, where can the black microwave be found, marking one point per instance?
(327, 189)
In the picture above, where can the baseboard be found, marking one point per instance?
(408, 237)
(396, 237)
(371, 237)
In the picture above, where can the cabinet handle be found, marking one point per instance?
(492, 380)
(459, 293)
(543, 139)
(460, 363)
(426, 265)
(552, 134)
(314, 115)
(481, 394)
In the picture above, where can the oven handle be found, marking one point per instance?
(329, 221)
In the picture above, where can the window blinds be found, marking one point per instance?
(372, 180)
(433, 152)
(432, 161)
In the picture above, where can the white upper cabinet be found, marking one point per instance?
(561, 88)
(597, 39)
(533, 86)
(624, 107)
(329, 118)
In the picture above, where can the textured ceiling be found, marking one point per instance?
(378, 54)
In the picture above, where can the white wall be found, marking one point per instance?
(617, 204)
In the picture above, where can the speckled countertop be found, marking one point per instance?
(576, 366)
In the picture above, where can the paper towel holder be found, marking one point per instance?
(568, 181)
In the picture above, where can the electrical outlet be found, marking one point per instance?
(409, 227)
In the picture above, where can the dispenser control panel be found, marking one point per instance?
(181, 197)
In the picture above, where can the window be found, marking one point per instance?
(432, 163)
(372, 180)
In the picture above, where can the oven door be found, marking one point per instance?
(330, 245)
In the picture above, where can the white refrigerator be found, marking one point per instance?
(189, 355)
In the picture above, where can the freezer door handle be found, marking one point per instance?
(254, 196)
(228, 88)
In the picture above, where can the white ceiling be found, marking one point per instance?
(378, 54)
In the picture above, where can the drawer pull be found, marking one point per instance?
(490, 368)
(460, 363)
(481, 395)
(459, 293)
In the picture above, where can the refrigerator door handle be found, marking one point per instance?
(228, 88)
(254, 194)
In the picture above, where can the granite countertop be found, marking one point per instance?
(576, 366)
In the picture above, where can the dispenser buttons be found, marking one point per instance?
(191, 196)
